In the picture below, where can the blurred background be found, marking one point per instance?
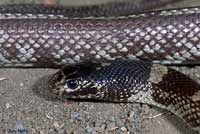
(180, 3)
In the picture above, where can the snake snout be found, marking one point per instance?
(55, 81)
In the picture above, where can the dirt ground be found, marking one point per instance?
(26, 105)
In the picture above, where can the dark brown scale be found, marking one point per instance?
(180, 84)
(179, 90)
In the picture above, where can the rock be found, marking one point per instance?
(123, 129)
(8, 105)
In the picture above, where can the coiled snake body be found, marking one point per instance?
(52, 40)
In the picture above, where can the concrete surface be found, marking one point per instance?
(26, 105)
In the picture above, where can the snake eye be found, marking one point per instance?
(72, 83)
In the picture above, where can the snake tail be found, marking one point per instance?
(132, 81)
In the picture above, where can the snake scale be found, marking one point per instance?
(128, 81)
(53, 37)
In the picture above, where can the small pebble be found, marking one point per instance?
(21, 84)
(48, 116)
(131, 114)
(41, 132)
(112, 129)
(76, 115)
(8, 105)
(1, 79)
(119, 122)
(111, 125)
(123, 129)
(56, 124)
(90, 130)
(103, 126)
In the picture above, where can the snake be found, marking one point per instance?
(132, 81)
(111, 55)
(54, 40)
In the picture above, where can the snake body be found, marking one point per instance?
(132, 81)
(52, 37)
(46, 40)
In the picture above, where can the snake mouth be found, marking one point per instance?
(55, 81)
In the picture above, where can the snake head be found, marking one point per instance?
(75, 82)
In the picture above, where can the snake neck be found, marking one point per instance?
(134, 81)
(165, 88)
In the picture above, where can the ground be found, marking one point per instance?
(26, 104)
